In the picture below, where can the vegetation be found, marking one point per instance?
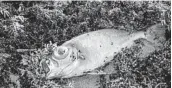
(27, 25)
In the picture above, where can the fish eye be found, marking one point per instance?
(61, 51)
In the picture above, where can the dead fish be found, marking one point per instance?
(89, 51)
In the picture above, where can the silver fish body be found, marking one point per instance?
(89, 51)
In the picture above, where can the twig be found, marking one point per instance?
(25, 50)
(19, 50)
(159, 84)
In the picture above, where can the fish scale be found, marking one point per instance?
(97, 56)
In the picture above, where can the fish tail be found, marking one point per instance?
(157, 34)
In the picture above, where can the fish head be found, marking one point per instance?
(61, 63)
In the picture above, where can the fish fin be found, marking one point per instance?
(156, 34)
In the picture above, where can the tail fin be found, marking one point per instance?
(156, 35)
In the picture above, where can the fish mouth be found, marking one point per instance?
(45, 67)
(48, 67)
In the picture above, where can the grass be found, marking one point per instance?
(43, 21)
